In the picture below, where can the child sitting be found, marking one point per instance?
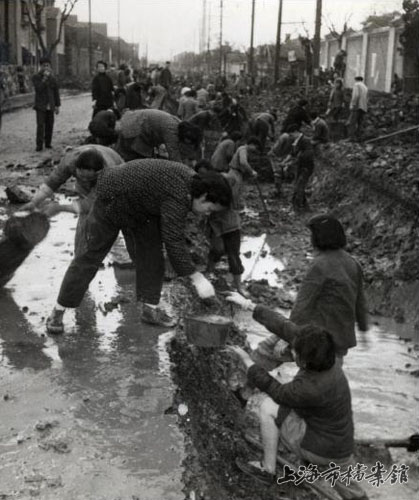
(312, 414)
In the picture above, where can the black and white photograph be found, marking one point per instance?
(209, 249)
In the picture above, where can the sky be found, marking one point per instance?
(167, 27)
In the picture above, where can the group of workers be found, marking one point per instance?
(145, 186)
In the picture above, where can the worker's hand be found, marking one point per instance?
(254, 174)
(57, 111)
(203, 287)
(239, 300)
(243, 355)
(52, 209)
(28, 207)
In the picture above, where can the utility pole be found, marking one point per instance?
(278, 44)
(209, 40)
(221, 37)
(316, 43)
(119, 34)
(252, 31)
(203, 37)
(90, 39)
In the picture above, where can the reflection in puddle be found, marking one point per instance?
(261, 264)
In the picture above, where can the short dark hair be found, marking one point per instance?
(302, 102)
(102, 62)
(188, 132)
(293, 127)
(90, 159)
(45, 60)
(235, 136)
(359, 79)
(314, 115)
(204, 163)
(327, 232)
(255, 141)
(214, 185)
(315, 348)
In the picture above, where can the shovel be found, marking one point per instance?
(411, 443)
(262, 199)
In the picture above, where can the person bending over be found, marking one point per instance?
(151, 199)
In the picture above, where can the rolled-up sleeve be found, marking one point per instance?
(59, 175)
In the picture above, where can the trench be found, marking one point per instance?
(380, 372)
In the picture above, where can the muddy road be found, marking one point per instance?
(94, 414)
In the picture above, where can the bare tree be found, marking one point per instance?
(36, 11)
(336, 34)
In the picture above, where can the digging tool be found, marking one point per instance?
(411, 443)
(265, 208)
(393, 134)
(248, 275)
(322, 492)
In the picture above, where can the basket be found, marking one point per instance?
(208, 330)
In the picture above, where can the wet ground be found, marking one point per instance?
(385, 396)
(83, 415)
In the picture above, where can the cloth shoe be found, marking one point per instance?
(157, 316)
(256, 470)
(55, 323)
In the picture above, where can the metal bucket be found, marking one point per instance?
(207, 330)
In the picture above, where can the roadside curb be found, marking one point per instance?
(26, 100)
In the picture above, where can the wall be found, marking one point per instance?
(353, 59)
(374, 55)
(375, 74)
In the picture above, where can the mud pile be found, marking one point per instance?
(386, 112)
(215, 421)
(374, 191)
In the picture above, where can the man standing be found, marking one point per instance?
(358, 107)
(165, 78)
(302, 150)
(188, 107)
(47, 102)
(102, 89)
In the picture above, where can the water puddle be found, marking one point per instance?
(106, 380)
(259, 261)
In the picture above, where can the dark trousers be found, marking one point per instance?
(227, 244)
(44, 128)
(260, 129)
(304, 172)
(355, 120)
(143, 244)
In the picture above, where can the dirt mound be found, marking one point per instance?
(374, 192)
